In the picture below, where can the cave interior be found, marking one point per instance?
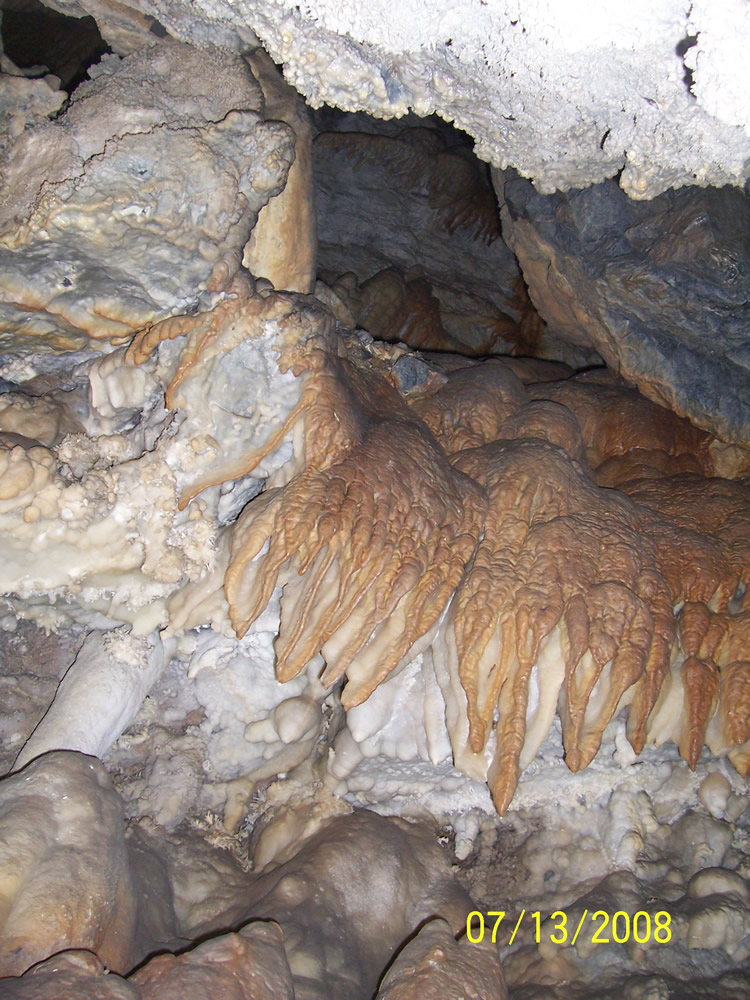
(374, 501)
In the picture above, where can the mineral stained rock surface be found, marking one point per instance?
(661, 288)
(450, 524)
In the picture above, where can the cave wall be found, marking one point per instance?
(660, 288)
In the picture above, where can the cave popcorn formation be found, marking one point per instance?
(294, 568)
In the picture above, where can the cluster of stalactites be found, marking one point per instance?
(368, 545)
(468, 521)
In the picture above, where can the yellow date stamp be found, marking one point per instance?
(620, 927)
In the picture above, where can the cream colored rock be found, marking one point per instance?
(70, 974)
(36, 417)
(65, 878)
(25, 468)
(283, 244)
(714, 793)
(349, 898)
(434, 966)
(162, 189)
(718, 882)
(250, 965)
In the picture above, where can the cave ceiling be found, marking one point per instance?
(565, 94)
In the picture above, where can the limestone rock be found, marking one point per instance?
(25, 102)
(65, 879)
(69, 975)
(246, 966)
(109, 221)
(351, 895)
(434, 966)
(128, 27)
(568, 95)
(659, 288)
(408, 200)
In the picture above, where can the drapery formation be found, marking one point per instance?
(464, 518)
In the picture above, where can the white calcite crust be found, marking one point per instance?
(216, 725)
(25, 102)
(565, 93)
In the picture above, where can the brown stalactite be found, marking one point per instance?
(373, 533)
